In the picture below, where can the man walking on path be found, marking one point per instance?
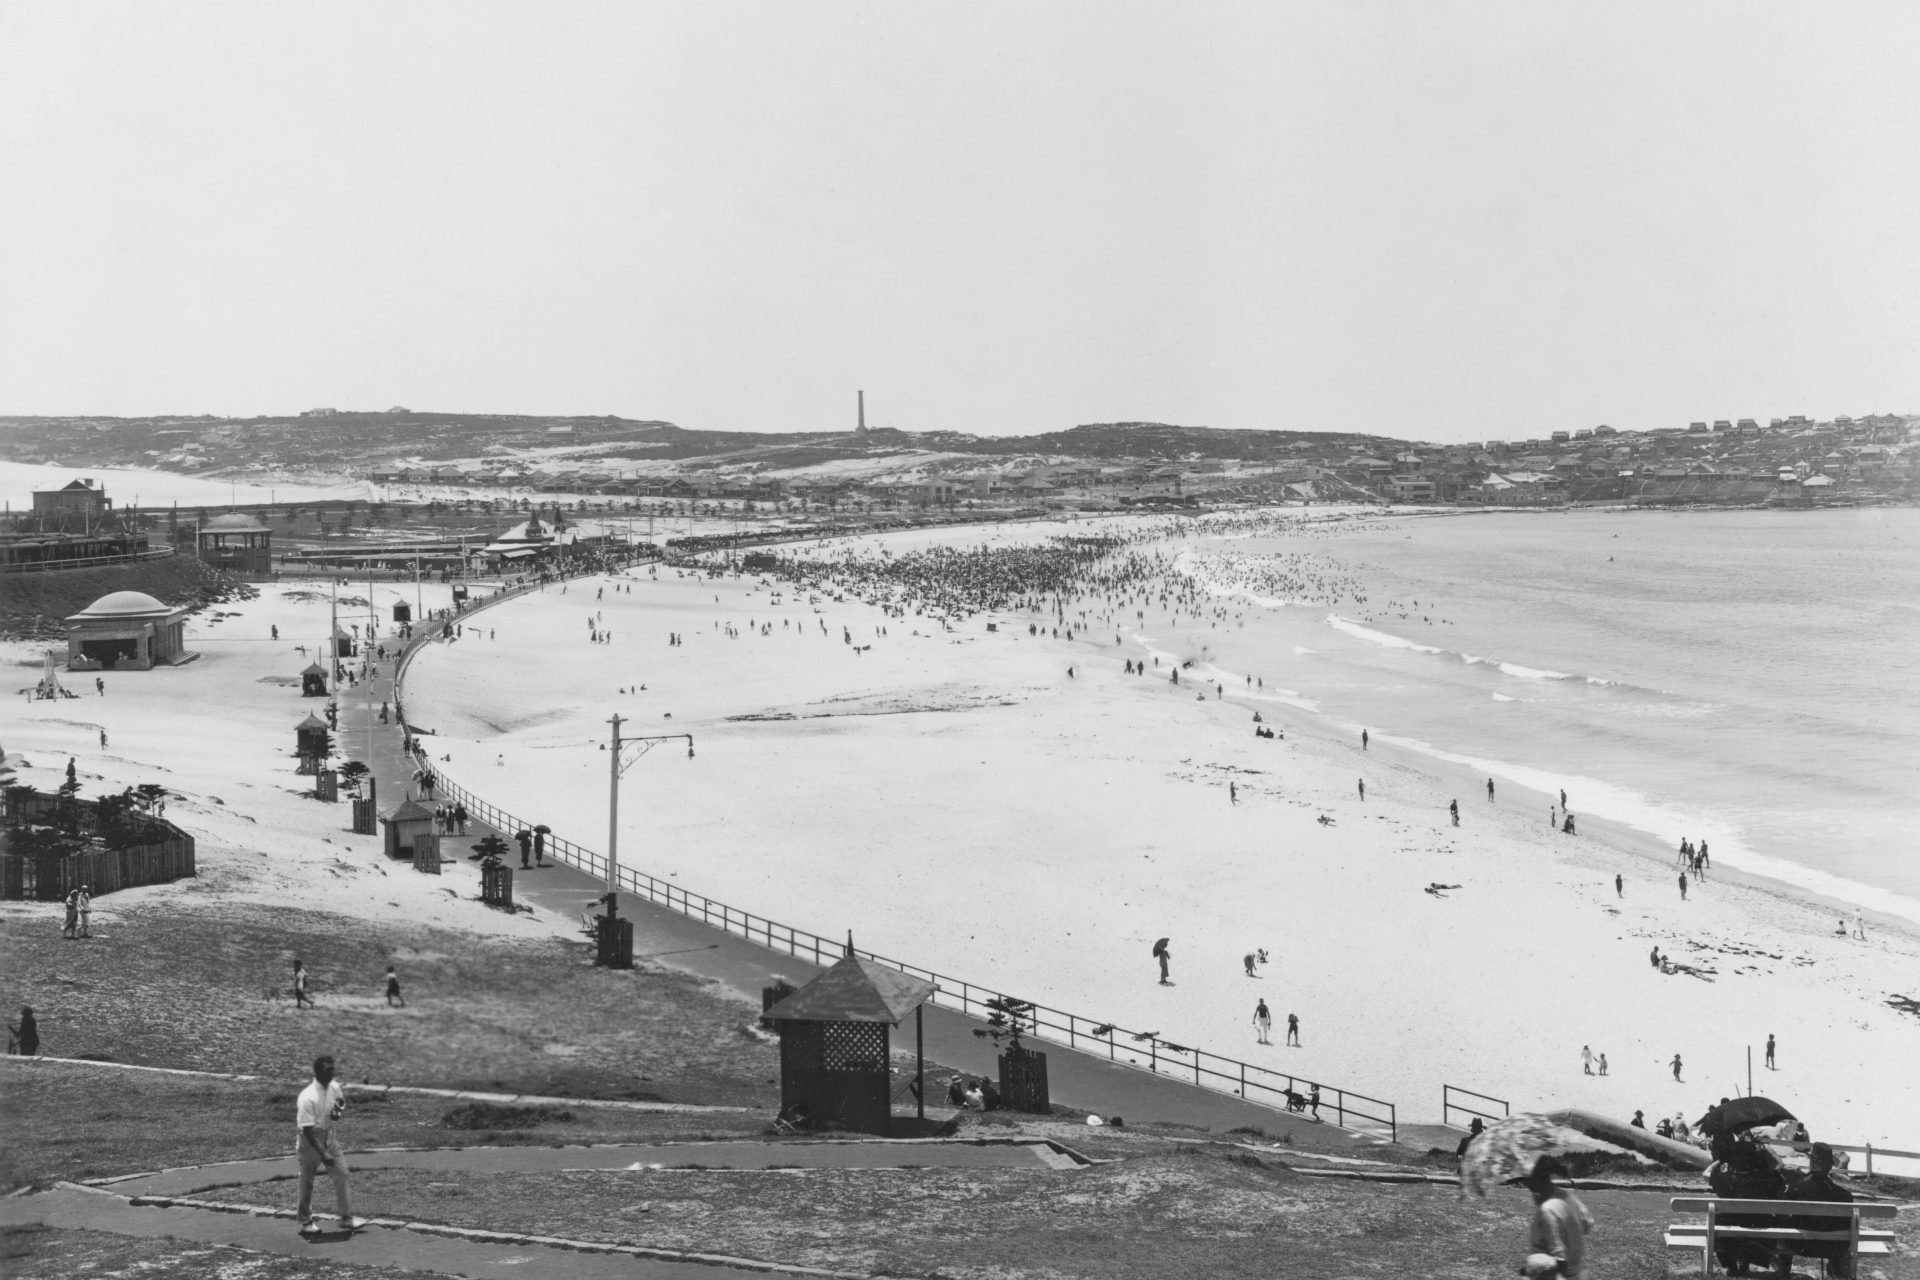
(301, 1000)
(321, 1105)
(460, 817)
(1293, 1030)
(524, 839)
(1263, 1022)
(1770, 1065)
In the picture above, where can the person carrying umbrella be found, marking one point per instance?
(540, 833)
(1163, 956)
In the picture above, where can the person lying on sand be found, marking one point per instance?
(1439, 890)
(1324, 820)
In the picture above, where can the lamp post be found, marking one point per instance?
(610, 952)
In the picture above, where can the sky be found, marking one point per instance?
(1441, 221)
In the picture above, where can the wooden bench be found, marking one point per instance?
(1847, 1225)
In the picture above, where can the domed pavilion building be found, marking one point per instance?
(127, 631)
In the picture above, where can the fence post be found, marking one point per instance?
(1869, 1159)
(1243, 1079)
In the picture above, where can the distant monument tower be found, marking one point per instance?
(861, 429)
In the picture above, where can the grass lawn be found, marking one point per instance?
(77, 1123)
(209, 989)
(1161, 1209)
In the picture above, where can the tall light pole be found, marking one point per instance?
(610, 952)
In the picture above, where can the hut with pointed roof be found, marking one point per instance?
(313, 681)
(836, 1044)
(127, 631)
(409, 819)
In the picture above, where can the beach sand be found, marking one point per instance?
(960, 802)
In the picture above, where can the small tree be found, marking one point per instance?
(1008, 1022)
(149, 795)
(491, 850)
(352, 775)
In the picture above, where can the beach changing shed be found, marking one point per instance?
(313, 681)
(127, 631)
(310, 735)
(410, 819)
(835, 1043)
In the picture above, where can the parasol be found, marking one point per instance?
(544, 829)
(1506, 1149)
(1742, 1113)
(1160, 947)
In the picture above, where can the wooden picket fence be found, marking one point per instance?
(164, 853)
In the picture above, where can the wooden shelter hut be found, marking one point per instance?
(313, 681)
(410, 819)
(343, 644)
(310, 736)
(402, 611)
(835, 1043)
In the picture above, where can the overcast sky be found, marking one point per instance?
(1438, 220)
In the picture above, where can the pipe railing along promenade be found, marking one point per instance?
(1262, 1086)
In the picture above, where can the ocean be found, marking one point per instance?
(1751, 678)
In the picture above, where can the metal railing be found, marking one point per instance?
(1869, 1149)
(1448, 1106)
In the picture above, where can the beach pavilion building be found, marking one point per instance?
(239, 544)
(127, 631)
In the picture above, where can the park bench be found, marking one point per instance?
(1847, 1229)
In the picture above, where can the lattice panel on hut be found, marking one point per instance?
(853, 1046)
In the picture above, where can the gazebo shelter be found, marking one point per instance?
(410, 819)
(835, 1045)
(310, 735)
(127, 631)
(239, 544)
(313, 681)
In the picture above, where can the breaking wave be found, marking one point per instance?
(1388, 640)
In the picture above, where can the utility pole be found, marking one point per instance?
(615, 951)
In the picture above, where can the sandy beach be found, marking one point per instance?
(961, 801)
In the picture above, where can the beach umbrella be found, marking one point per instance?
(1742, 1113)
(1506, 1149)
(1160, 947)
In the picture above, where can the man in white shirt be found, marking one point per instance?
(321, 1104)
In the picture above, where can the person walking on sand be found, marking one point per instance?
(1453, 807)
(1859, 925)
(1165, 957)
(1683, 886)
(1675, 1064)
(393, 990)
(320, 1107)
(1263, 1022)
(1363, 790)
(1586, 1059)
(71, 928)
(1363, 739)
(103, 739)
(301, 1000)
(1249, 962)
(1489, 790)
(1233, 793)
(86, 910)
(1770, 1065)
(1603, 1064)
(1563, 797)
(1293, 1030)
